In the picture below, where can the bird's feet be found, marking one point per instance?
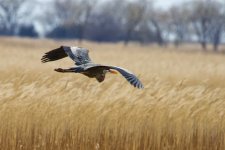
(59, 70)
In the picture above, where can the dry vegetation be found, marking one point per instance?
(181, 107)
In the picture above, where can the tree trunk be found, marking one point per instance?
(80, 33)
(204, 46)
(127, 37)
(215, 47)
(159, 37)
(216, 38)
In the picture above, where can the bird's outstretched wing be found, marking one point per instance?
(131, 78)
(53, 55)
(78, 55)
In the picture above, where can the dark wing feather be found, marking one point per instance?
(131, 78)
(53, 55)
(78, 55)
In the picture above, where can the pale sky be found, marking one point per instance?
(161, 3)
(167, 3)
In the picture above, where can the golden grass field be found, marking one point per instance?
(181, 108)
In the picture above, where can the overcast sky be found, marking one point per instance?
(168, 3)
(162, 3)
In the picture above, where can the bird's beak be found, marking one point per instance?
(113, 71)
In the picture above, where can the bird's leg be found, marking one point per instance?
(64, 70)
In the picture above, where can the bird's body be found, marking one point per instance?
(85, 66)
(95, 72)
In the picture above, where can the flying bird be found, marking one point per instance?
(85, 66)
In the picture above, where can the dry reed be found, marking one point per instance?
(181, 107)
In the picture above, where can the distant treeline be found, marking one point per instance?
(201, 21)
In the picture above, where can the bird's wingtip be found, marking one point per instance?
(44, 59)
(140, 87)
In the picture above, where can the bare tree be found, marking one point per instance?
(142, 21)
(106, 24)
(201, 18)
(158, 22)
(217, 25)
(134, 13)
(11, 14)
(178, 16)
(75, 13)
(87, 7)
